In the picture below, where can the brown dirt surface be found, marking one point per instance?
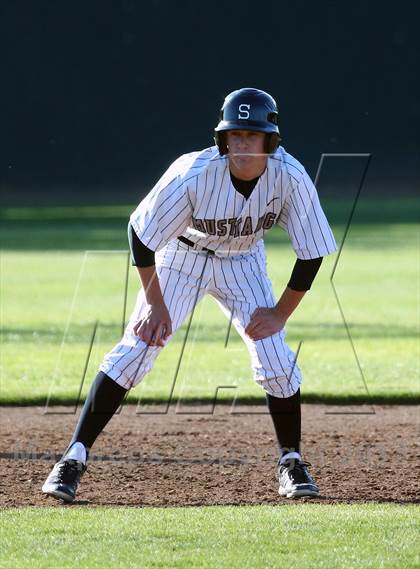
(358, 454)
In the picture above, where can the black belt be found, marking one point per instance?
(192, 244)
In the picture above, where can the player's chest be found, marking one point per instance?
(215, 197)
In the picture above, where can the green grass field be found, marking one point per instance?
(299, 535)
(72, 275)
(63, 270)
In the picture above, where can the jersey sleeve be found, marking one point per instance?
(303, 218)
(164, 213)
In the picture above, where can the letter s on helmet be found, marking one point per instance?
(248, 109)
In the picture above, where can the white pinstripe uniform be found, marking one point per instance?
(195, 199)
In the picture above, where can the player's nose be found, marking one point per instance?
(243, 142)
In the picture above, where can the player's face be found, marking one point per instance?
(247, 159)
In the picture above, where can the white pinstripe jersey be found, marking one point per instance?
(196, 198)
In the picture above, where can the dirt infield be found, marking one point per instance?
(225, 458)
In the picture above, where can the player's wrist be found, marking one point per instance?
(156, 302)
(280, 312)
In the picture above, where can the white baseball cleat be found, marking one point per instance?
(295, 480)
(63, 480)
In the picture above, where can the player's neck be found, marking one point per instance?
(244, 187)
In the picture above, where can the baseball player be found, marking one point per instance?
(201, 231)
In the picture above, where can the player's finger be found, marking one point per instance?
(140, 333)
(253, 333)
(168, 329)
(159, 335)
(249, 330)
(165, 329)
(144, 336)
(145, 332)
(260, 329)
(253, 324)
(259, 334)
(140, 327)
(153, 341)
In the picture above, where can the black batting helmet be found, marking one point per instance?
(248, 109)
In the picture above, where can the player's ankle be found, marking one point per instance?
(290, 455)
(78, 452)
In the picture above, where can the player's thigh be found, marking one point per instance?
(273, 362)
(242, 285)
(181, 290)
(131, 359)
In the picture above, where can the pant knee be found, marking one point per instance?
(281, 387)
(129, 367)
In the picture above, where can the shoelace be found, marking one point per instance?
(67, 472)
(298, 471)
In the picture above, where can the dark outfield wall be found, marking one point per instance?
(99, 95)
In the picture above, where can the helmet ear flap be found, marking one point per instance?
(220, 140)
(272, 142)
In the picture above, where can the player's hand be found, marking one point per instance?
(155, 326)
(264, 322)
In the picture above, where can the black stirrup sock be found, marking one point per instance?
(285, 413)
(104, 398)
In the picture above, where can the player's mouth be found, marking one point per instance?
(244, 156)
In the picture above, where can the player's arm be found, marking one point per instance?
(155, 325)
(163, 214)
(267, 321)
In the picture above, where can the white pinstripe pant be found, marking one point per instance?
(239, 283)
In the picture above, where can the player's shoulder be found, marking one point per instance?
(191, 164)
(186, 167)
(288, 163)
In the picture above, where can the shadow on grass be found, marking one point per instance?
(213, 333)
(402, 398)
